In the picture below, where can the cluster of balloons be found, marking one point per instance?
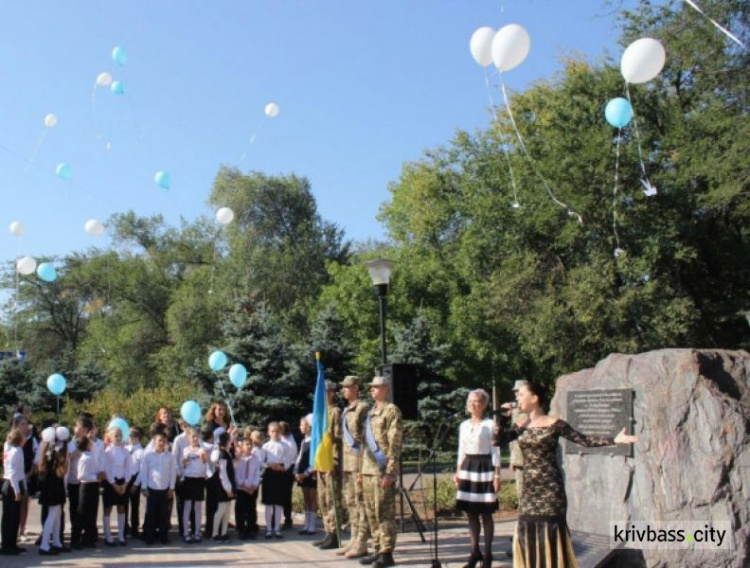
(237, 372)
(191, 412)
(56, 384)
(506, 48)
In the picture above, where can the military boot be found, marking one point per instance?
(321, 541)
(370, 559)
(331, 543)
(384, 560)
(358, 550)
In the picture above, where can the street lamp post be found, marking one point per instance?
(380, 273)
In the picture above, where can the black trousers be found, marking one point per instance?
(75, 522)
(157, 515)
(242, 512)
(133, 508)
(180, 500)
(11, 517)
(88, 510)
(211, 506)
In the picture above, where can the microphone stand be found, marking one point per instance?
(439, 437)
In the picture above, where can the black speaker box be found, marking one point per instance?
(404, 382)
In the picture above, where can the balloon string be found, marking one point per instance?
(71, 182)
(37, 147)
(226, 399)
(15, 303)
(650, 190)
(716, 24)
(502, 139)
(562, 204)
(252, 140)
(615, 191)
(97, 134)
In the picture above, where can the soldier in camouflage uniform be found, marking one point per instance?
(353, 432)
(328, 481)
(380, 463)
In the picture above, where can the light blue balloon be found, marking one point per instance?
(217, 360)
(238, 375)
(618, 112)
(163, 180)
(120, 56)
(64, 171)
(57, 384)
(191, 412)
(117, 87)
(46, 272)
(122, 425)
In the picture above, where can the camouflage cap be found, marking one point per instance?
(519, 384)
(331, 386)
(351, 380)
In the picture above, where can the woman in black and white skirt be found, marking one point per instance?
(478, 476)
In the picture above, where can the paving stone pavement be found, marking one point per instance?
(294, 551)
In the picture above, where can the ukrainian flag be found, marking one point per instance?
(321, 445)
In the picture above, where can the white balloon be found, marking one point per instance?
(225, 215)
(510, 46)
(643, 60)
(50, 121)
(16, 229)
(272, 110)
(94, 228)
(26, 265)
(481, 45)
(104, 79)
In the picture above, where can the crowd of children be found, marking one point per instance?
(214, 465)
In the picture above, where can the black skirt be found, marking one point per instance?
(309, 482)
(52, 491)
(194, 489)
(476, 492)
(543, 541)
(112, 499)
(274, 487)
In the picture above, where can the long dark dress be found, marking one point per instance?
(542, 538)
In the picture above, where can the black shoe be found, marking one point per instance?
(474, 557)
(20, 549)
(77, 546)
(110, 543)
(9, 552)
(367, 560)
(122, 542)
(269, 535)
(288, 524)
(90, 545)
(164, 540)
(50, 552)
(321, 541)
(384, 560)
(252, 536)
(487, 561)
(331, 543)
(62, 548)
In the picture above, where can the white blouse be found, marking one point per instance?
(279, 452)
(13, 463)
(477, 439)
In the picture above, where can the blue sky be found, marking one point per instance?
(363, 87)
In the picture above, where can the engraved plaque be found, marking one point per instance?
(600, 413)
